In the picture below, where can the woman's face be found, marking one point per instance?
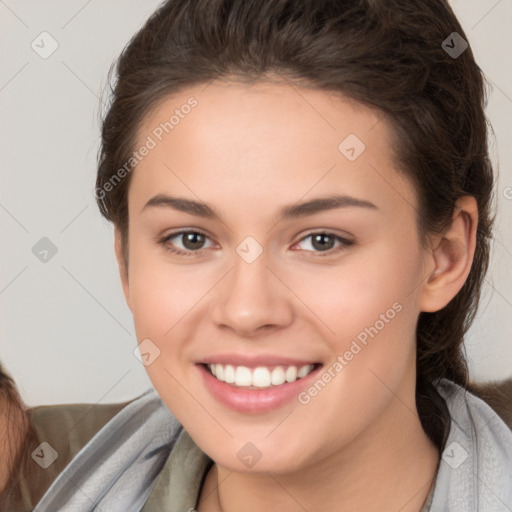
(301, 251)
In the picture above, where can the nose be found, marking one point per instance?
(252, 299)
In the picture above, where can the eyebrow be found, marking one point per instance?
(292, 211)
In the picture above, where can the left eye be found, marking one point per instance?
(324, 242)
(193, 243)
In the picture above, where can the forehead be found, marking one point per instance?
(240, 140)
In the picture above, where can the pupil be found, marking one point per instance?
(320, 239)
(193, 240)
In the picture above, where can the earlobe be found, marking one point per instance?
(451, 256)
(122, 264)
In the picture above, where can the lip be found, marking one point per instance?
(254, 401)
(255, 361)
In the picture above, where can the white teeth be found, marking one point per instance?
(219, 371)
(243, 376)
(303, 371)
(260, 377)
(277, 378)
(291, 374)
(229, 374)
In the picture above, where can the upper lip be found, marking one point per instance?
(255, 361)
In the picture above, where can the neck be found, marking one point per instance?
(388, 467)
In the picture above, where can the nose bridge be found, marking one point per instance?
(252, 297)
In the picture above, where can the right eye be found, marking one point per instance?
(190, 238)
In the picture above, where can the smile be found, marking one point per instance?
(259, 388)
(259, 377)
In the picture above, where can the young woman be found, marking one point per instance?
(301, 196)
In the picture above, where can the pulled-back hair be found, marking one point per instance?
(387, 55)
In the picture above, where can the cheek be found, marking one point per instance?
(166, 301)
(387, 332)
(367, 311)
(161, 292)
(168, 307)
(350, 296)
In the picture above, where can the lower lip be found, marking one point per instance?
(254, 400)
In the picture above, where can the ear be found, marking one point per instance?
(122, 264)
(450, 257)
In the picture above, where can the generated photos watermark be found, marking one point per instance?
(151, 142)
(342, 360)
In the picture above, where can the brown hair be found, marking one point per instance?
(14, 437)
(387, 55)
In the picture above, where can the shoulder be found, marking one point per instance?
(71, 426)
(475, 471)
(126, 454)
(57, 434)
(473, 415)
(498, 395)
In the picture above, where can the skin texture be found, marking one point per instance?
(248, 150)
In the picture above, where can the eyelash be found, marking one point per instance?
(345, 244)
